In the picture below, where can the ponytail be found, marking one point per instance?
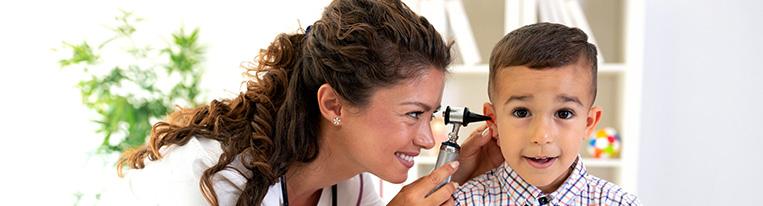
(245, 125)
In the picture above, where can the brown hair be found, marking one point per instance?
(541, 46)
(356, 47)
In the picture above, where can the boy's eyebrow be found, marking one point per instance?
(518, 98)
(565, 98)
(561, 98)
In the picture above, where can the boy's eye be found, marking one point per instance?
(520, 112)
(565, 114)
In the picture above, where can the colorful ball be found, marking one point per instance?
(604, 143)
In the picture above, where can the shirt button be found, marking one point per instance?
(543, 200)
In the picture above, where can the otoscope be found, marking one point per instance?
(458, 117)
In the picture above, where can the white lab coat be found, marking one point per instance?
(175, 180)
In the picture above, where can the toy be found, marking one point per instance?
(604, 143)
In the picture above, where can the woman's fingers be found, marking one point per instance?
(493, 153)
(442, 195)
(476, 139)
(470, 155)
(416, 192)
(450, 202)
(428, 183)
(489, 157)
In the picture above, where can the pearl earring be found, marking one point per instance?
(336, 121)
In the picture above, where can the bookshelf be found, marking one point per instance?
(617, 26)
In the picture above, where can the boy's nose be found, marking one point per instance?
(541, 132)
(424, 138)
(541, 139)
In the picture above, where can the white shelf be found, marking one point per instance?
(426, 160)
(612, 68)
(470, 69)
(484, 69)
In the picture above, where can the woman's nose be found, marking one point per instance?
(424, 138)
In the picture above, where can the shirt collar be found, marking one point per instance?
(522, 192)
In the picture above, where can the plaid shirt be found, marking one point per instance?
(503, 186)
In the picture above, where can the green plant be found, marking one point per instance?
(126, 82)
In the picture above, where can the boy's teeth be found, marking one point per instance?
(541, 159)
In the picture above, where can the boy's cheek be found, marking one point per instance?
(507, 151)
(509, 147)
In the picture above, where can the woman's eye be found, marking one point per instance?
(415, 115)
(520, 112)
(565, 114)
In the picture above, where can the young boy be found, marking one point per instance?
(542, 87)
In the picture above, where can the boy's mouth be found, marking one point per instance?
(540, 162)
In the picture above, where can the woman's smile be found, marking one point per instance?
(406, 158)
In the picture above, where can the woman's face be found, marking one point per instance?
(384, 136)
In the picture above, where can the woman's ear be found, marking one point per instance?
(489, 110)
(329, 103)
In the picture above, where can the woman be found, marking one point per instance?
(355, 93)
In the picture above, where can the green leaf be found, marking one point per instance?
(81, 53)
(117, 109)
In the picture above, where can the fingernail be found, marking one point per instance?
(486, 132)
(456, 185)
(454, 164)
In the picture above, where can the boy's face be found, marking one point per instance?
(540, 118)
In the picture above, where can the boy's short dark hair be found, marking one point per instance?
(542, 45)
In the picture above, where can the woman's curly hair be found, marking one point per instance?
(356, 47)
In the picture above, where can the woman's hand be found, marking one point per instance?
(479, 154)
(416, 192)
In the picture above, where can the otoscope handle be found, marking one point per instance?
(448, 153)
(458, 117)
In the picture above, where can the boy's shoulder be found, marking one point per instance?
(479, 188)
(503, 186)
(610, 193)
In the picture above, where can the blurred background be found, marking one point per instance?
(679, 81)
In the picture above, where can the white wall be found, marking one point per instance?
(702, 142)
(47, 136)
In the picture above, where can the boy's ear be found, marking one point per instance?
(489, 110)
(593, 119)
(329, 102)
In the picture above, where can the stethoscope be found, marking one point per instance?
(285, 195)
